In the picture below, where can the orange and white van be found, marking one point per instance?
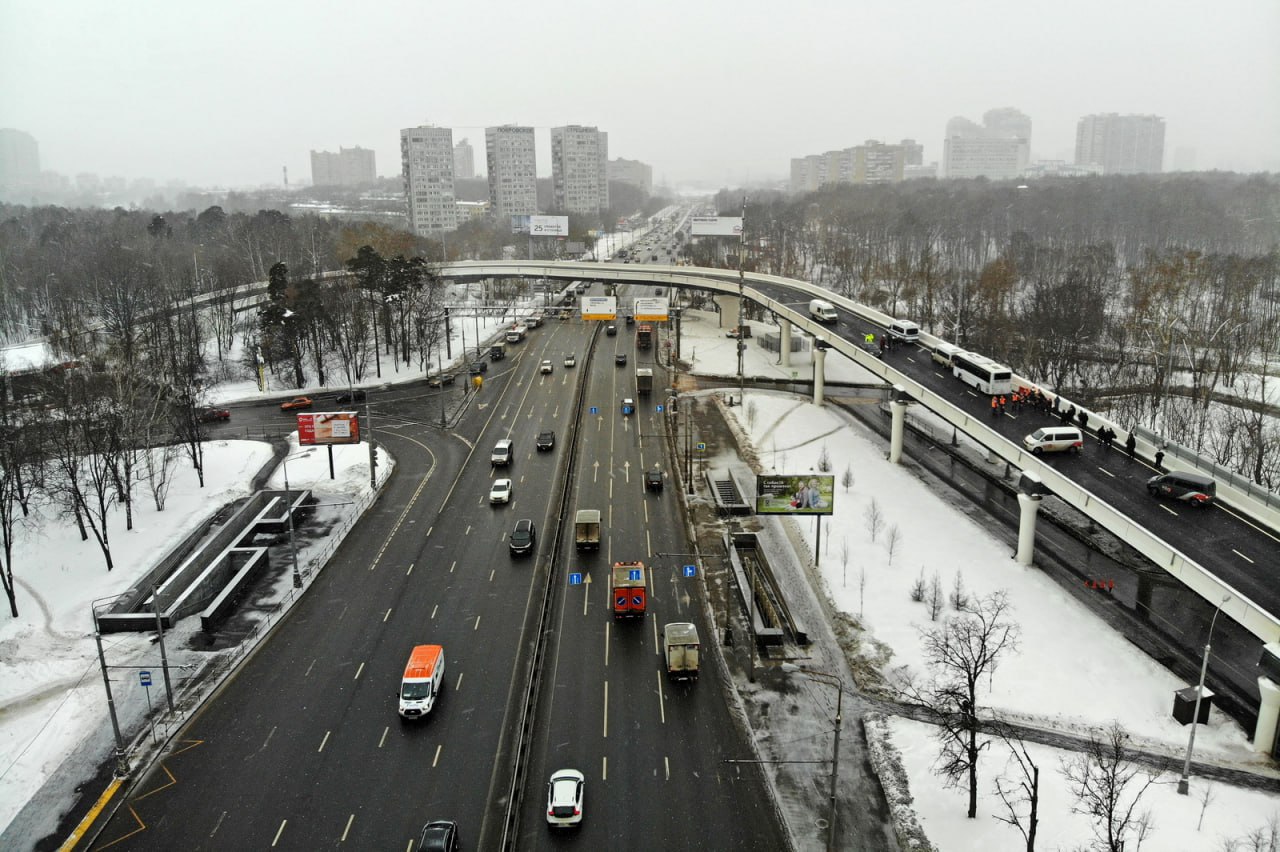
(423, 677)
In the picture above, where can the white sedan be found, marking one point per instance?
(546, 367)
(500, 491)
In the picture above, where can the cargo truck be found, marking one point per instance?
(680, 646)
(586, 529)
(630, 593)
(516, 333)
(423, 678)
(644, 381)
(644, 336)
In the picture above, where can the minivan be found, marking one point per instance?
(502, 452)
(904, 330)
(943, 352)
(1054, 439)
(1194, 488)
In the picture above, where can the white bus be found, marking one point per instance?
(983, 373)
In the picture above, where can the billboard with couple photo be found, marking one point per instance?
(807, 494)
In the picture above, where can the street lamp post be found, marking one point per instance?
(122, 756)
(1195, 717)
(830, 680)
(288, 507)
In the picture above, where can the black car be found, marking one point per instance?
(213, 415)
(629, 319)
(523, 538)
(546, 440)
(439, 835)
(478, 367)
(611, 330)
(653, 480)
(620, 359)
(350, 396)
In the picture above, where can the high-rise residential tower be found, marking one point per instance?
(998, 148)
(19, 162)
(464, 161)
(426, 158)
(1121, 144)
(513, 175)
(580, 169)
(348, 167)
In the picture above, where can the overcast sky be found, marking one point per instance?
(714, 91)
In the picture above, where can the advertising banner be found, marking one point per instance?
(599, 307)
(520, 224)
(651, 310)
(330, 427)
(549, 226)
(716, 226)
(807, 494)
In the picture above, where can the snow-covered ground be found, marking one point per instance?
(1070, 669)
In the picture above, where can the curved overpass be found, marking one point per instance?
(1251, 615)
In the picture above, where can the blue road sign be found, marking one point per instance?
(595, 410)
(701, 445)
(661, 408)
(145, 677)
(634, 574)
(691, 570)
(575, 578)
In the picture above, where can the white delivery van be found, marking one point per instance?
(942, 353)
(423, 677)
(904, 330)
(823, 311)
(1054, 439)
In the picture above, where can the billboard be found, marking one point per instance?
(599, 307)
(549, 226)
(716, 226)
(520, 224)
(807, 494)
(651, 310)
(329, 427)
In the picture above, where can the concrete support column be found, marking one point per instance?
(784, 341)
(819, 363)
(898, 408)
(1265, 732)
(1030, 508)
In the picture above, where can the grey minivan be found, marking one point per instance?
(1194, 488)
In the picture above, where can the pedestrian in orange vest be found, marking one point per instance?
(995, 406)
(1003, 402)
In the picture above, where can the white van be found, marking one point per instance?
(904, 330)
(1054, 439)
(823, 311)
(423, 677)
(502, 452)
(943, 352)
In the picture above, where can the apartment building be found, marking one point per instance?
(426, 158)
(580, 169)
(999, 148)
(464, 161)
(632, 172)
(513, 177)
(1121, 144)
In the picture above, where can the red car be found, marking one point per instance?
(296, 403)
(213, 415)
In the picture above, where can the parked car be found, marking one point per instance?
(439, 835)
(564, 797)
(570, 361)
(620, 359)
(213, 415)
(297, 403)
(440, 379)
(350, 396)
(523, 538)
(500, 491)
(545, 367)
(546, 440)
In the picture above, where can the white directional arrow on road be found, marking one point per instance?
(626, 471)
(595, 471)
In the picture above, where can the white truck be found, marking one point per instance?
(681, 647)
(516, 333)
(644, 381)
(823, 311)
(586, 529)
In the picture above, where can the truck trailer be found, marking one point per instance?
(644, 336)
(681, 647)
(644, 381)
(586, 529)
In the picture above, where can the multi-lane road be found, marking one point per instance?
(303, 749)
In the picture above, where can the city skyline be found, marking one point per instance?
(722, 94)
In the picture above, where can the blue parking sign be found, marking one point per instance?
(691, 570)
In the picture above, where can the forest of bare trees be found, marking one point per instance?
(1153, 298)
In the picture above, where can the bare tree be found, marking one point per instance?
(1019, 794)
(960, 653)
(824, 460)
(1108, 785)
(846, 478)
(873, 515)
(959, 597)
(892, 541)
(935, 598)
